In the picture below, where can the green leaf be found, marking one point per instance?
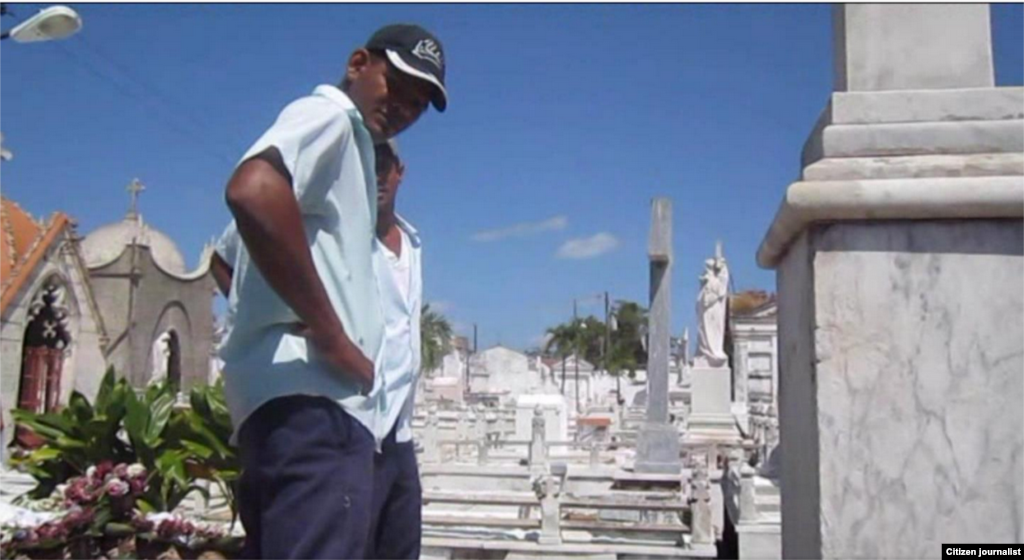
(103, 397)
(136, 420)
(199, 450)
(172, 465)
(161, 413)
(103, 516)
(80, 408)
(44, 453)
(66, 443)
(144, 506)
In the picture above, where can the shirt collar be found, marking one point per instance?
(335, 94)
(414, 236)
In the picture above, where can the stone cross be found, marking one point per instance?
(684, 356)
(658, 445)
(480, 426)
(547, 490)
(538, 446)
(5, 154)
(702, 530)
(595, 454)
(134, 189)
(748, 502)
(466, 421)
(430, 439)
(482, 451)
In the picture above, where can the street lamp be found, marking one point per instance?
(50, 24)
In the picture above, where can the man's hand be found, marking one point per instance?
(341, 355)
(261, 198)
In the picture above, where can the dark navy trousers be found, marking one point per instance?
(312, 485)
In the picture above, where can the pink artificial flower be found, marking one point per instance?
(52, 531)
(136, 470)
(78, 517)
(141, 524)
(102, 470)
(117, 488)
(138, 485)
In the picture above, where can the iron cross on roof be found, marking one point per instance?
(134, 188)
(5, 154)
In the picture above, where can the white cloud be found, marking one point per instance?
(522, 229)
(588, 247)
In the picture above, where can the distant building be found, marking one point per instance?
(754, 336)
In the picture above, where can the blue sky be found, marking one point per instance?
(564, 122)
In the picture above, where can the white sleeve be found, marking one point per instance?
(228, 244)
(311, 134)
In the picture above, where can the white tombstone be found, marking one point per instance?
(431, 443)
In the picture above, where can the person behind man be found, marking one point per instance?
(311, 408)
(395, 530)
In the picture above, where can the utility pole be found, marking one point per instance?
(469, 356)
(606, 348)
(576, 351)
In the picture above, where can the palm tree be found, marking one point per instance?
(561, 341)
(627, 350)
(435, 338)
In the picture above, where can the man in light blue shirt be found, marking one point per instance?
(311, 408)
(397, 495)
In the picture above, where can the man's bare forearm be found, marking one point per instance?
(270, 224)
(222, 273)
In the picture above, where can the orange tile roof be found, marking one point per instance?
(746, 302)
(23, 242)
(594, 421)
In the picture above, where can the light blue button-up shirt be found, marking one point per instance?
(329, 154)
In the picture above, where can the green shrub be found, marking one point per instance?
(177, 446)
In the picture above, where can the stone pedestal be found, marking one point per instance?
(900, 258)
(711, 418)
(658, 449)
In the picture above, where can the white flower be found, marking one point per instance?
(116, 487)
(91, 471)
(136, 470)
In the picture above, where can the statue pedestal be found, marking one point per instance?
(658, 449)
(711, 419)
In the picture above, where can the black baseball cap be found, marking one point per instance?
(415, 51)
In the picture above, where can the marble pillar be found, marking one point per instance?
(900, 259)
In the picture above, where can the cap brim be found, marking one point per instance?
(440, 98)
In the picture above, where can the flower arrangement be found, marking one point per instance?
(98, 503)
